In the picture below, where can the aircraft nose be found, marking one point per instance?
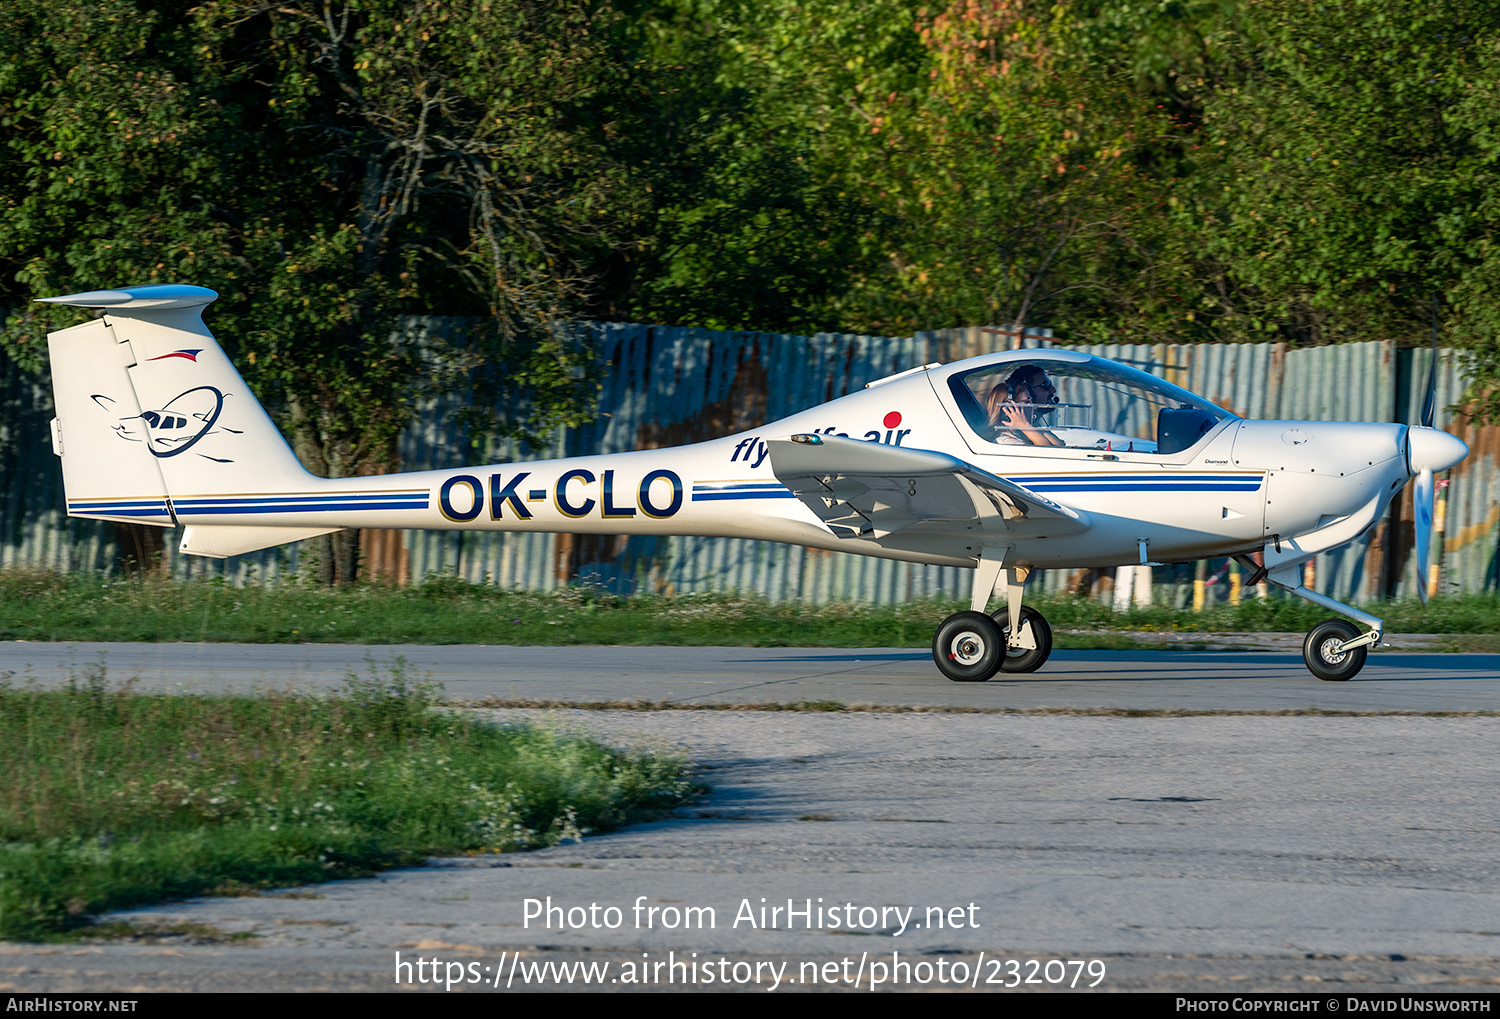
(1430, 449)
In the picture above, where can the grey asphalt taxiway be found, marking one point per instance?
(1144, 680)
(1221, 852)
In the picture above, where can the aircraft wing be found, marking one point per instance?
(907, 498)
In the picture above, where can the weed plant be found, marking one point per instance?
(448, 610)
(111, 798)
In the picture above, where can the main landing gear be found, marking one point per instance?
(1033, 644)
(968, 647)
(972, 647)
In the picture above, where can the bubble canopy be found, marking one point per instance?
(1067, 398)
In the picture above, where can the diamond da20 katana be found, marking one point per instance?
(1004, 463)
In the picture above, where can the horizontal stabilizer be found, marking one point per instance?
(157, 297)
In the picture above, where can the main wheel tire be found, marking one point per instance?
(968, 647)
(1026, 659)
(1321, 658)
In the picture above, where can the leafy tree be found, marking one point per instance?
(1351, 174)
(989, 160)
(1184, 170)
(741, 216)
(1034, 166)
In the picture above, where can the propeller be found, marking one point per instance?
(1422, 495)
(1425, 491)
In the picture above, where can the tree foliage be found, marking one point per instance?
(743, 211)
(1168, 170)
(328, 168)
(1178, 169)
(1353, 174)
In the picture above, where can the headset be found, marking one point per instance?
(1022, 392)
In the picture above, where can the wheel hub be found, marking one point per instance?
(968, 648)
(1329, 650)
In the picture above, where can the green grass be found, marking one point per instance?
(446, 610)
(116, 799)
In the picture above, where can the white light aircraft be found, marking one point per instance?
(1004, 463)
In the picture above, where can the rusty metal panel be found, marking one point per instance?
(35, 531)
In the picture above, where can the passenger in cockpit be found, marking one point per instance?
(1014, 408)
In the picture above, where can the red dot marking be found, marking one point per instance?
(893, 419)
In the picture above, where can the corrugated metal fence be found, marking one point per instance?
(666, 385)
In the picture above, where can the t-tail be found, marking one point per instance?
(155, 426)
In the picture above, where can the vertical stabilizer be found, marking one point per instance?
(151, 412)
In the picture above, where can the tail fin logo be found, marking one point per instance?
(179, 425)
(175, 428)
(187, 355)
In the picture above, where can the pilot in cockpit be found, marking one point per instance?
(1016, 406)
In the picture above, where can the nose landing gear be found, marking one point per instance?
(1328, 654)
(1334, 650)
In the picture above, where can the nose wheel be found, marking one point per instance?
(1335, 649)
(1323, 655)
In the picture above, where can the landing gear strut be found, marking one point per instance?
(971, 647)
(1034, 642)
(1334, 650)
